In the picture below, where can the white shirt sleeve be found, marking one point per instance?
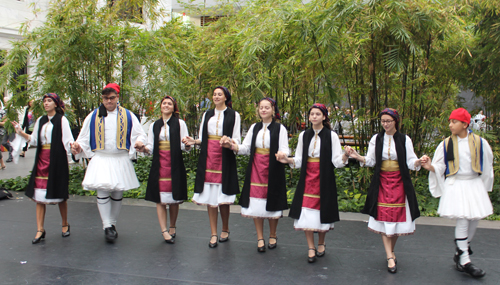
(244, 147)
(370, 156)
(84, 139)
(411, 157)
(298, 153)
(436, 178)
(283, 143)
(184, 133)
(200, 133)
(488, 174)
(34, 135)
(337, 152)
(67, 136)
(237, 128)
(151, 139)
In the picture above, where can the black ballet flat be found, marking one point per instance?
(224, 239)
(272, 245)
(171, 240)
(312, 259)
(261, 248)
(38, 239)
(66, 233)
(174, 234)
(393, 269)
(321, 253)
(212, 245)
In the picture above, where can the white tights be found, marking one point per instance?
(109, 204)
(464, 232)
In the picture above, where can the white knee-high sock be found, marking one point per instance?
(104, 206)
(116, 205)
(461, 239)
(472, 228)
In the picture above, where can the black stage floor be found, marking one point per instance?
(139, 256)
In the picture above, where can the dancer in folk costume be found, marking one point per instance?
(391, 201)
(264, 191)
(49, 179)
(216, 177)
(108, 136)
(461, 173)
(314, 205)
(167, 183)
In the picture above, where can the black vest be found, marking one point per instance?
(58, 180)
(179, 183)
(230, 184)
(372, 196)
(329, 209)
(276, 185)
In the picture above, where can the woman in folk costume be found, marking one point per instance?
(109, 135)
(391, 201)
(461, 173)
(49, 179)
(314, 205)
(167, 179)
(264, 192)
(216, 182)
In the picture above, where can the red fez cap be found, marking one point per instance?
(114, 86)
(461, 115)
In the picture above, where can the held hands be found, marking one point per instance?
(282, 157)
(226, 142)
(425, 162)
(139, 146)
(188, 141)
(75, 148)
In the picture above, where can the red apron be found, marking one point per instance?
(260, 173)
(42, 167)
(391, 205)
(213, 172)
(311, 197)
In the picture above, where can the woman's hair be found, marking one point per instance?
(326, 121)
(57, 100)
(175, 112)
(276, 117)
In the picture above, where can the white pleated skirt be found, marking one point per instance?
(212, 196)
(110, 172)
(393, 228)
(310, 220)
(465, 197)
(167, 199)
(257, 209)
(40, 195)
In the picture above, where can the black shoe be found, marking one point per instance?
(110, 234)
(312, 259)
(226, 238)
(171, 240)
(321, 253)
(38, 239)
(473, 270)
(66, 233)
(174, 234)
(272, 245)
(393, 269)
(212, 245)
(10, 159)
(261, 248)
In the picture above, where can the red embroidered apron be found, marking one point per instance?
(311, 197)
(213, 172)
